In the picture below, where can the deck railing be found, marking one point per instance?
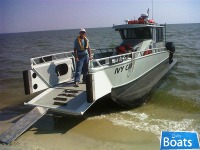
(101, 57)
(111, 60)
(51, 57)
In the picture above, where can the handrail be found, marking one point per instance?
(35, 59)
(51, 55)
(108, 60)
(120, 58)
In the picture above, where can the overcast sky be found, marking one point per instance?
(39, 15)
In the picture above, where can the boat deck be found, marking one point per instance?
(65, 98)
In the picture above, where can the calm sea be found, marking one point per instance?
(174, 105)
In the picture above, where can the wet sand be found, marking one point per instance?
(75, 133)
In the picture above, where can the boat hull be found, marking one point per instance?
(136, 92)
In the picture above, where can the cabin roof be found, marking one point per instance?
(128, 26)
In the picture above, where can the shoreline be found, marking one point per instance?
(73, 133)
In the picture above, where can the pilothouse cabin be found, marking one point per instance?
(135, 34)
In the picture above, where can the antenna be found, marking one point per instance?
(152, 8)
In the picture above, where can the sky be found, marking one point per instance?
(40, 15)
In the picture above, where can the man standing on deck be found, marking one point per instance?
(82, 54)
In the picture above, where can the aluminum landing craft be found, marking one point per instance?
(127, 73)
(137, 64)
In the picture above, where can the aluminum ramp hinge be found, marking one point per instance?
(22, 125)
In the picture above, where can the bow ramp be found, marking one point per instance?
(65, 99)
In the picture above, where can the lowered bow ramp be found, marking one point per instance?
(65, 99)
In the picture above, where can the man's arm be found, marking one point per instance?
(75, 55)
(75, 51)
(89, 52)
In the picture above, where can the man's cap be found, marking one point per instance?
(82, 30)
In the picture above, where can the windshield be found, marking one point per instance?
(136, 33)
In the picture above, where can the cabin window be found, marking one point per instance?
(159, 34)
(136, 33)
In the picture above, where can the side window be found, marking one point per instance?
(136, 33)
(159, 34)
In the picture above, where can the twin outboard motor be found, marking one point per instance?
(171, 48)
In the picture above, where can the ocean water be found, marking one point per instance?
(174, 105)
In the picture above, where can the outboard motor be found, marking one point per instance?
(171, 48)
